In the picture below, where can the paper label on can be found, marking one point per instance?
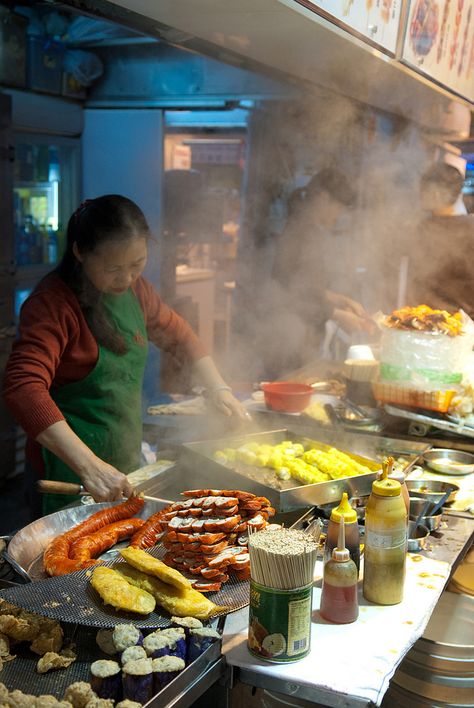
(279, 622)
(385, 539)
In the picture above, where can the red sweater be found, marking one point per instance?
(56, 347)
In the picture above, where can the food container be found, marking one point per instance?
(412, 397)
(432, 489)
(417, 537)
(446, 461)
(287, 396)
(198, 463)
(428, 520)
(27, 545)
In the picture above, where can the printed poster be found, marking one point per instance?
(439, 42)
(378, 20)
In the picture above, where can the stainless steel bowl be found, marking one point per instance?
(432, 489)
(417, 537)
(428, 520)
(446, 461)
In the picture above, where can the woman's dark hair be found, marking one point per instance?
(96, 221)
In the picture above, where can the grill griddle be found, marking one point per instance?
(21, 672)
(71, 598)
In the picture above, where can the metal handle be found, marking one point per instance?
(16, 566)
(49, 486)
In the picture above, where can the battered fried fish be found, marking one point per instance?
(152, 566)
(181, 602)
(116, 591)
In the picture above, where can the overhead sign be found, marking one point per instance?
(439, 41)
(377, 20)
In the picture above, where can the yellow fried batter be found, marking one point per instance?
(181, 602)
(116, 591)
(152, 566)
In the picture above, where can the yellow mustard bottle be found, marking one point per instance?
(352, 536)
(399, 475)
(385, 543)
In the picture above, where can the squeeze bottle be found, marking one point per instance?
(400, 477)
(345, 513)
(385, 542)
(339, 594)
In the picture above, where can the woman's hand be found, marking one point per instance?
(343, 302)
(228, 404)
(351, 322)
(218, 392)
(104, 482)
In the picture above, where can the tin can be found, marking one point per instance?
(279, 622)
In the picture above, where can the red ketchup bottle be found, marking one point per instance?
(339, 602)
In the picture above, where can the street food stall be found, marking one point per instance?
(154, 600)
(366, 661)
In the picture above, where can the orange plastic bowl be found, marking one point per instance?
(287, 396)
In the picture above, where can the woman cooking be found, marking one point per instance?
(74, 377)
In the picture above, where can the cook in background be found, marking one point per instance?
(301, 301)
(440, 270)
(74, 378)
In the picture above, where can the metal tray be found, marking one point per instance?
(71, 598)
(27, 545)
(428, 421)
(198, 466)
(182, 691)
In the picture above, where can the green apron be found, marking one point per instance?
(104, 408)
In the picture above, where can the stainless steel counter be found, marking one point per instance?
(427, 575)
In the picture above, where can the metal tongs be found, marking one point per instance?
(354, 408)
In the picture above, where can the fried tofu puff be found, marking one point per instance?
(50, 702)
(3, 693)
(18, 628)
(49, 638)
(6, 608)
(45, 634)
(4, 646)
(79, 694)
(52, 660)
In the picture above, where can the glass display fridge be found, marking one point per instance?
(45, 193)
(40, 186)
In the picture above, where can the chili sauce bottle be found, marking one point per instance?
(339, 594)
(345, 513)
(385, 542)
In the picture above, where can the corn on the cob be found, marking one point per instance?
(305, 473)
(357, 466)
(329, 464)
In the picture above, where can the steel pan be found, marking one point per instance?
(27, 545)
